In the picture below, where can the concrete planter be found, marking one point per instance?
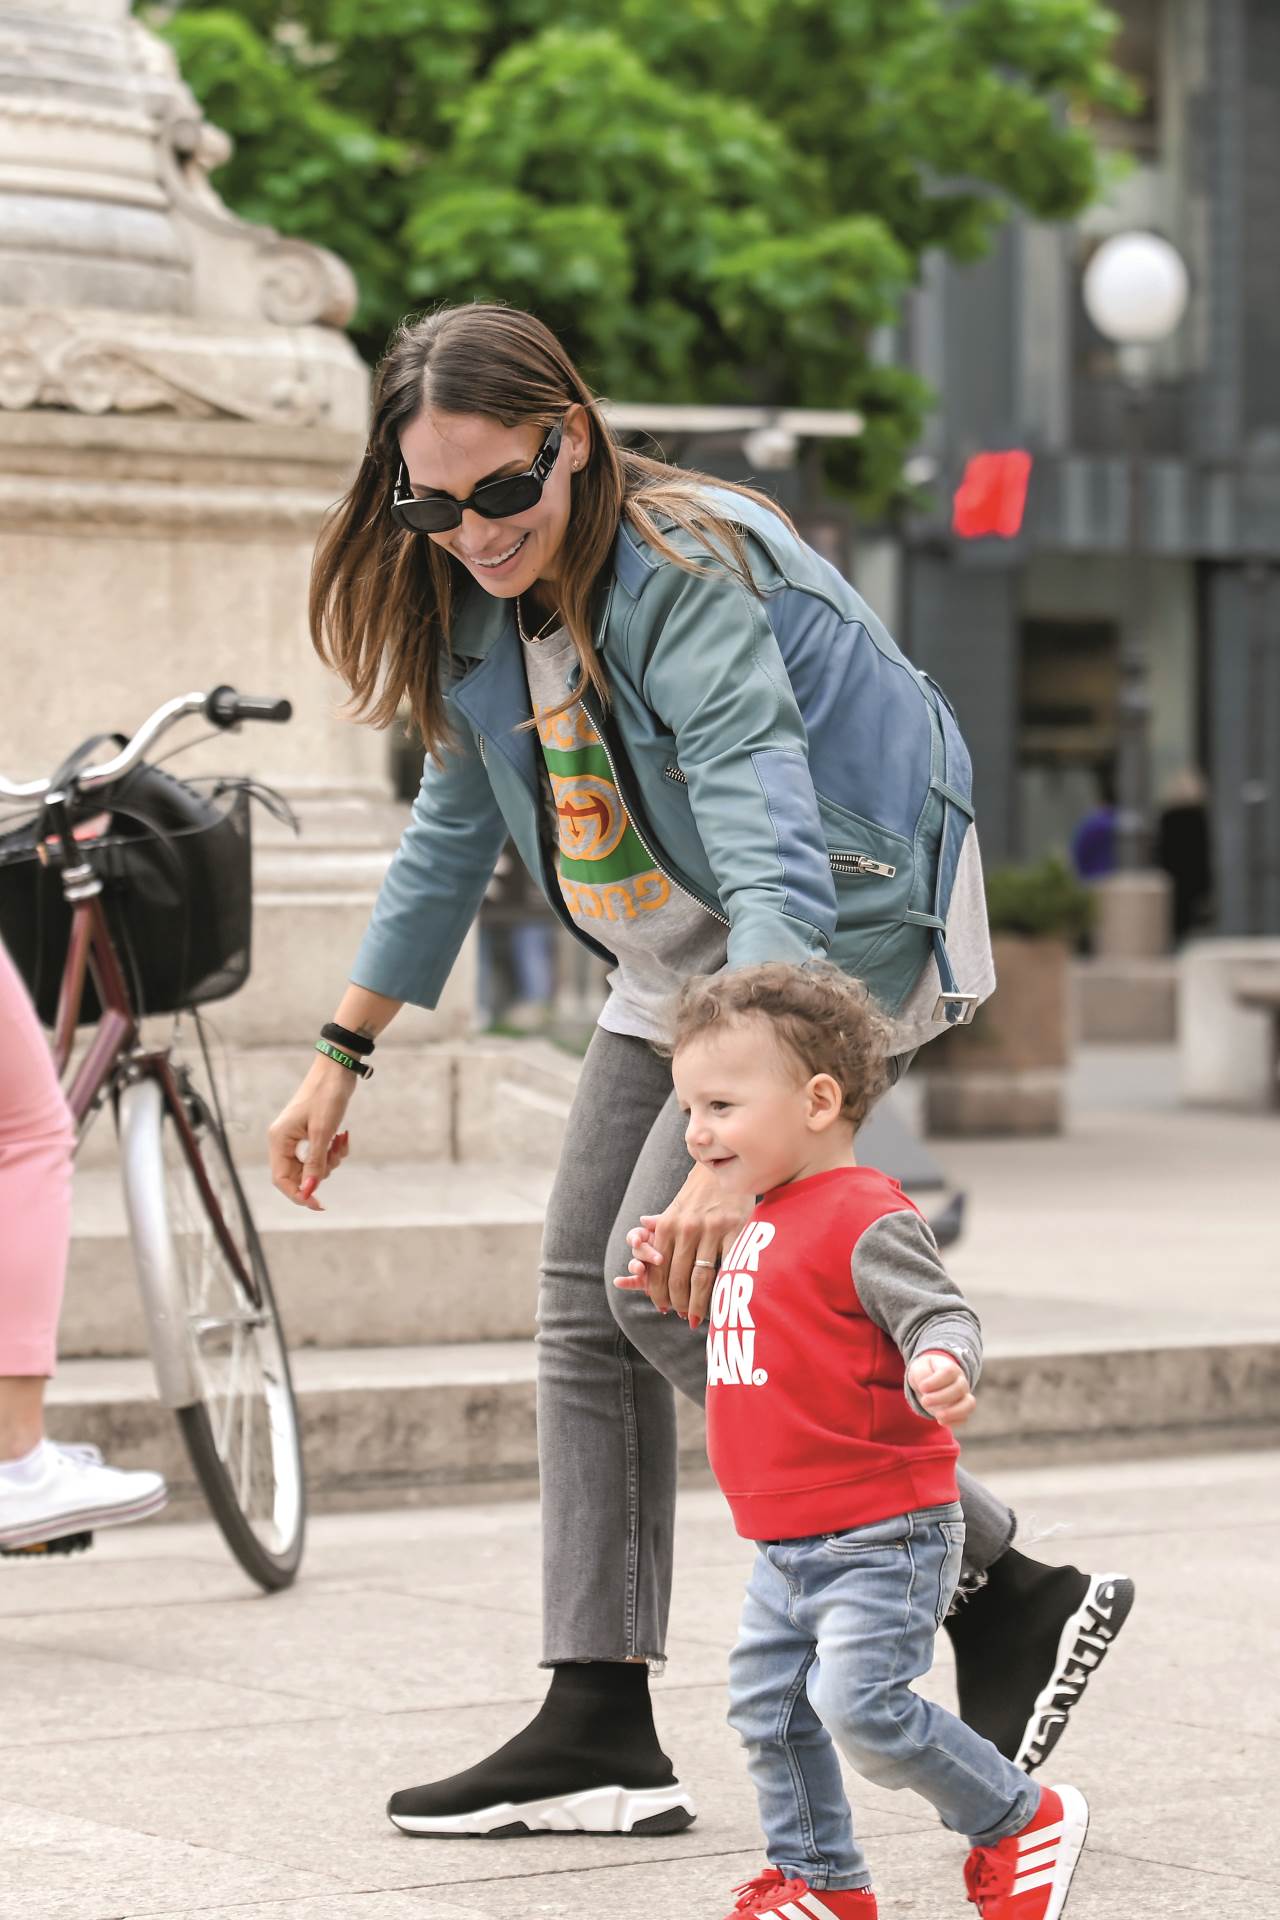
(1005, 1073)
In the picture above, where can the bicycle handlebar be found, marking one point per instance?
(223, 708)
(227, 708)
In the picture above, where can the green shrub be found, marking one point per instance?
(1039, 901)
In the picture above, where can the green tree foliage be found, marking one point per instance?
(713, 200)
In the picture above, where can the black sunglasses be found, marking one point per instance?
(493, 499)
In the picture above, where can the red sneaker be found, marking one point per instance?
(1028, 1876)
(771, 1893)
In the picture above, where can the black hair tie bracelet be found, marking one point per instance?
(357, 1043)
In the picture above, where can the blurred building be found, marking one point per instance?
(1026, 633)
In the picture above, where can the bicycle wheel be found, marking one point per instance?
(240, 1420)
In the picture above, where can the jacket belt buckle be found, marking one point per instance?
(957, 1009)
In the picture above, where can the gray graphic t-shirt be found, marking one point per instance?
(611, 886)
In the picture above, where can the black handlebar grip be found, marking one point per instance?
(226, 708)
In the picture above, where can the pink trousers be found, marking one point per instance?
(36, 1138)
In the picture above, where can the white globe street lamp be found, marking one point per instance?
(1136, 289)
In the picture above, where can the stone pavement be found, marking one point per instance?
(175, 1745)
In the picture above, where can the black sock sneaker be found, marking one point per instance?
(588, 1762)
(1027, 1644)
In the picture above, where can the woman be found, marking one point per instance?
(700, 741)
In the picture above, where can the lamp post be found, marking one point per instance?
(1135, 293)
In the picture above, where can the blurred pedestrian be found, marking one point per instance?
(1093, 844)
(1183, 850)
(47, 1491)
(517, 960)
(708, 752)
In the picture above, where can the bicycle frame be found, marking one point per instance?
(91, 953)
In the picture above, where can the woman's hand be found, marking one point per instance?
(313, 1116)
(676, 1254)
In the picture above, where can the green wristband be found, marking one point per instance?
(347, 1060)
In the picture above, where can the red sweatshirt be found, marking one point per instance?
(831, 1289)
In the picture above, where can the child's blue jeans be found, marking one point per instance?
(835, 1627)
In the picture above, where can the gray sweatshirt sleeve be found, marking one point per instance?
(904, 1288)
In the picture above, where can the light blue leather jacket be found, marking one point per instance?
(782, 761)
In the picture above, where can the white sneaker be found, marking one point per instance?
(70, 1490)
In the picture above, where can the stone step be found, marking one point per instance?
(330, 821)
(305, 940)
(459, 1100)
(404, 1253)
(290, 869)
(426, 1424)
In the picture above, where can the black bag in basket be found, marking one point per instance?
(176, 869)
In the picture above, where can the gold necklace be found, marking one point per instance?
(532, 639)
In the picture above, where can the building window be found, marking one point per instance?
(1068, 687)
(1137, 53)
(1070, 679)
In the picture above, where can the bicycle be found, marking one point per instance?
(214, 1331)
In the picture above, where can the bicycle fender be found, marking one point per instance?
(141, 1109)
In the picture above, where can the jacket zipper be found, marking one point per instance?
(860, 863)
(663, 870)
(840, 862)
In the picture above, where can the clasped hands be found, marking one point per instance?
(675, 1255)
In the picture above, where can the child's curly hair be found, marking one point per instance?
(827, 1020)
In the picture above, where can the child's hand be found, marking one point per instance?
(941, 1385)
(644, 1258)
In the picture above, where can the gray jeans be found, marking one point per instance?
(607, 1367)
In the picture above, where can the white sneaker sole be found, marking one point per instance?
(1085, 1641)
(597, 1810)
(82, 1520)
(1075, 1825)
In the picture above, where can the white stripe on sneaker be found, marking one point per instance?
(1027, 1842)
(1025, 1882)
(809, 1904)
(1033, 1862)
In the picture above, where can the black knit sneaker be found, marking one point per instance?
(588, 1762)
(1026, 1646)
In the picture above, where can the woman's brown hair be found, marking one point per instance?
(382, 598)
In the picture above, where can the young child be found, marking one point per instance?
(840, 1356)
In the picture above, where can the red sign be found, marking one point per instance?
(992, 496)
